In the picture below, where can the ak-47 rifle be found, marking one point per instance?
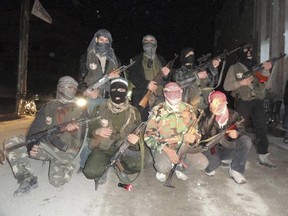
(212, 141)
(182, 150)
(106, 78)
(145, 100)
(118, 154)
(255, 70)
(35, 139)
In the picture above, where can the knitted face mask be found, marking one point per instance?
(118, 92)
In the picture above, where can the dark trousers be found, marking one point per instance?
(99, 159)
(239, 155)
(254, 110)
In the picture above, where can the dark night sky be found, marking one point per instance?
(175, 24)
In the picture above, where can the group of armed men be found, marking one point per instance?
(184, 117)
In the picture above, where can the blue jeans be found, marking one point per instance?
(239, 155)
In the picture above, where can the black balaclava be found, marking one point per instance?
(116, 95)
(245, 55)
(189, 61)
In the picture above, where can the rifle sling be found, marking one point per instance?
(52, 153)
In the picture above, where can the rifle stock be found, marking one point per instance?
(145, 100)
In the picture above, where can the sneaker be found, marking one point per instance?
(181, 175)
(26, 186)
(264, 160)
(161, 177)
(238, 177)
(212, 173)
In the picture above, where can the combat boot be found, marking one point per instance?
(264, 160)
(26, 186)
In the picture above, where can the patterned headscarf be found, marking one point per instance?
(218, 106)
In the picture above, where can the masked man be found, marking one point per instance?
(141, 74)
(249, 94)
(99, 61)
(236, 146)
(168, 130)
(196, 83)
(68, 140)
(118, 119)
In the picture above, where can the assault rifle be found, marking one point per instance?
(145, 100)
(120, 152)
(255, 71)
(205, 64)
(182, 150)
(35, 139)
(214, 140)
(107, 77)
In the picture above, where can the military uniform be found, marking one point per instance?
(167, 127)
(50, 115)
(122, 123)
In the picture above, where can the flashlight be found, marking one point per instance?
(125, 186)
(81, 102)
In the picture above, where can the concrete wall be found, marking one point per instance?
(265, 24)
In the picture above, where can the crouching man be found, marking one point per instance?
(235, 146)
(69, 138)
(167, 131)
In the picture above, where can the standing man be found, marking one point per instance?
(141, 74)
(249, 94)
(236, 146)
(99, 61)
(168, 130)
(118, 119)
(196, 83)
(70, 138)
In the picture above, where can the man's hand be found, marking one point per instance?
(190, 138)
(72, 127)
(171, 154)
(247, 81)
(133, 139)
(267, 65)
(114, 74)
(216, 62)
(104, 132)
(91, 94)
(202, 74)
(152, 86)
(34, 151)
(165, 71)
(232, 134)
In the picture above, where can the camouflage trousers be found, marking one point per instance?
(19, 161)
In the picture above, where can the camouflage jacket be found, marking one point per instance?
(167, 127)
(54, 113)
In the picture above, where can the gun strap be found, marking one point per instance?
(52, 153)
(120, 168)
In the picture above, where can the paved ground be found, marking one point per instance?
(265, 192)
